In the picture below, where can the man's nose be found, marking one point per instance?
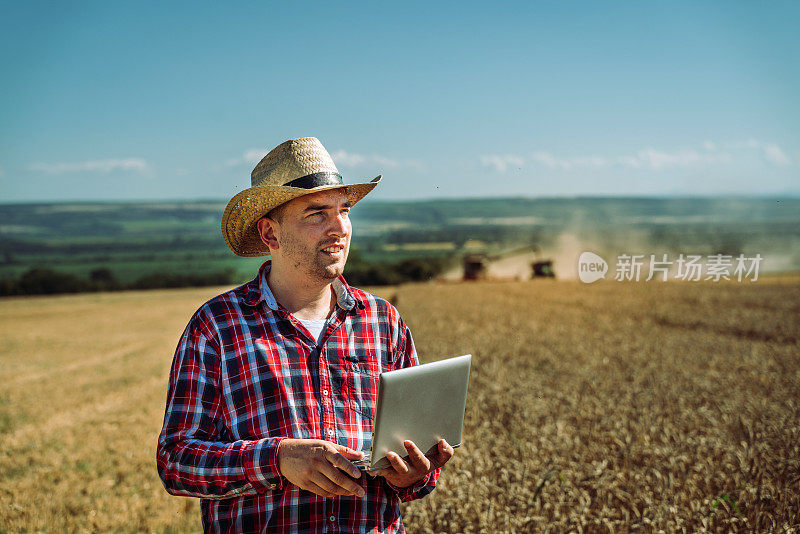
(340, 225)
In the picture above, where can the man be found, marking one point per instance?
(273, 384)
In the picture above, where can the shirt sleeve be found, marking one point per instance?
(407, 357)
(191, 457)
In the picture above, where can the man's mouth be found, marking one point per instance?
(333, 249)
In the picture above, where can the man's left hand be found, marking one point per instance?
(403, 474)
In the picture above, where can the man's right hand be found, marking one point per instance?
(320, 467)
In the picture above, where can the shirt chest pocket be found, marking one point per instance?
(362, 380)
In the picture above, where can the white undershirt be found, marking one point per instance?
(316, 327)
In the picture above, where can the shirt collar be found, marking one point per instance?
(258, 290)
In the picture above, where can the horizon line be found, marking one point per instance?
(664, 196)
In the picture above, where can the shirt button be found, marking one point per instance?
(325, 392)
(330, 431)
(332, 518)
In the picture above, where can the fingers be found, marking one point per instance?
(416, 467)
(349, 453)
(417, 458)
(320, 467)
(397, 463)
(445, 452)
(341, 462)
(337, 472)
(335, 481)
(314, 488)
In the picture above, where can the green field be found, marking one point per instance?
(137, 239)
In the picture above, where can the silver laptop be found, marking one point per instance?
(424, 404)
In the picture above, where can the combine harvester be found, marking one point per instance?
(478, 266)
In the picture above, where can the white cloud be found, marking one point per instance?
(100, 165)
(501, 163)
(649, 158)
(343, 158)
(248, 157)
(348, 159)
(771, 152)
(548, 160)
(774, 155)
(657, 159)
(633, 162)
(254, 155)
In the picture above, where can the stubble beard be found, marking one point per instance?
(329, 271)
(312, 260)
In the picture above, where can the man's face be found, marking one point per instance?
(313, 234)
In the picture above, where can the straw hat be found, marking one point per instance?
(292, 169)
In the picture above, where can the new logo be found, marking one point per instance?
(591, 267)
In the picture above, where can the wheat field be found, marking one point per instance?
(602, 408)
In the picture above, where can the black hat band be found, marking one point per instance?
(310, 181)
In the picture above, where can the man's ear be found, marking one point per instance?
(267, 229)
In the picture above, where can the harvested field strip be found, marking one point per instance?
(93, 412)
(745, 333)
(76, 366)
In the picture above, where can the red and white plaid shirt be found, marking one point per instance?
(247, 374)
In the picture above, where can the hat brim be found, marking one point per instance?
(239, 220)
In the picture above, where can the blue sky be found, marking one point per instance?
(137, 100)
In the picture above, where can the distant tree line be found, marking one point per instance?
(45, 281)
(362, 273)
